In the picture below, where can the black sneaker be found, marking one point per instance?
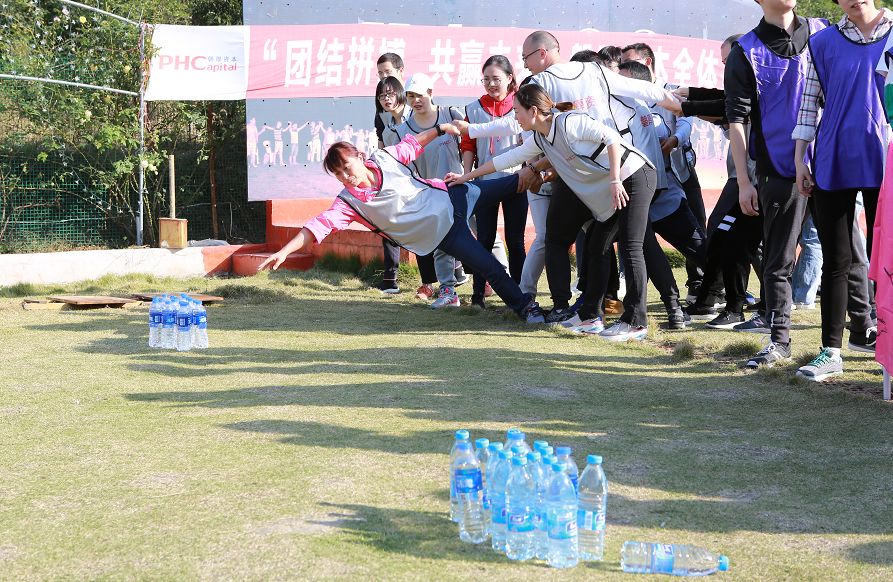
(461, 276)
(478, 301)
(726, 320)
(769, 356)
(389, 286)
(560, 314)
(678, 319)
(533, 313)
(702, 312)
(756, 324)
(863, 342)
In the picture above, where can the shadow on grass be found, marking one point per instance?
(876, 553)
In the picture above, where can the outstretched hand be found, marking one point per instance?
(451, 129)
(461, 125)
(454, 179)
(671, 103)
(275, 259)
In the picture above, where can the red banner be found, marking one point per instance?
(339, 60)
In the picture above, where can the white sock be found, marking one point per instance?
(834, 352)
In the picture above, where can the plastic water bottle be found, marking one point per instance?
(156, 319)
(676, 559)
(538, 446)
(169, 325)
(469, 491)
(561, 519)
(184, 322)
(460, 436)
(498, 480)
(520, 506)
(593, 500)
(493, 462)
(538, 474)
(201, 326)
(482, 452)
(564, 456)
(515, 438)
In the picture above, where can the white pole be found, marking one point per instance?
(70, 83)
(886, 384)
(103, 12)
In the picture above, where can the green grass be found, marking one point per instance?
(311, 440)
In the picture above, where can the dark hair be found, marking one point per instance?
(586, 56)
(392, 58)
(505, 65)
(732, 39)
(336, 155)
(610, 54)
(641, 48)
(526, 80)
(389, 84)
(637, 70)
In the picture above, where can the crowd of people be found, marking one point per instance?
(597, 151)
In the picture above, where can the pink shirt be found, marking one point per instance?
(340, 214)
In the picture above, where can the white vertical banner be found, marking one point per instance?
(198, 63)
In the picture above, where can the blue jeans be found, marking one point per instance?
(808, 272)
(460, 243)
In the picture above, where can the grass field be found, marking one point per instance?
(311, 440)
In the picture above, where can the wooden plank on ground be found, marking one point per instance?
(197, 296)
(92, 300)
(43, 305)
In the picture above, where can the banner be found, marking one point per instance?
(338, 60)
(198, 63)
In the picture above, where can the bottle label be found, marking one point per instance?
(486, 500)
(498, 514)
(662, 559)
(170, 320)
(521, 521)
(202, 321)
(562, 525)
(590, 520)
(539, 520)
(467, 480)
(183, 321)
(574, 480)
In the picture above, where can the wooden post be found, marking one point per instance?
(172, 186)
(212, 170)
(886, 383)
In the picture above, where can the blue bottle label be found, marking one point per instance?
(170, 320)
(183, 321)
(662, 559)
(202, 321)
(467, 480)
(486, 500)
(521, 521)
(562, 525)
(539, 520)
(590, 520)
(498, 512)
(574, 480)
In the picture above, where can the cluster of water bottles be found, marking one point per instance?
(537, 504)
(177, 322)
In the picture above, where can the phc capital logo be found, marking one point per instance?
(206, 63)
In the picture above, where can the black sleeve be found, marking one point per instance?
(705, 94)
(709, 108)
(740, 86)
(379, 127)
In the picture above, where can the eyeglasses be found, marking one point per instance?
(527, 56)
(383, 96)
(486, 81)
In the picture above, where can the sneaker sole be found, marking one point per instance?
(859, 348)
(763, 330)
(726, 326)
(444, 305)
(819, 378)
(767, 364)
(389, 291)
(624, 338)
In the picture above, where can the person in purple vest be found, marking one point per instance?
(764, 78)
(850, 151)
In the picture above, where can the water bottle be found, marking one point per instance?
(520, 506)
(169, 325)
(469, 491)
(156, 319)
(675, 559)
(482, 453)
(564, 456)
(499, 477)
(184, 322)
(538, 446)
(493, 462)
(201, 326)
(593, 501)
(538, 474)
(515, 438)
(561, 519)
(460, 436)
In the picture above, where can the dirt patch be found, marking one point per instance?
(9, 553)
(315, 526)
(547, 392)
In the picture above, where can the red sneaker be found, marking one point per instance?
(425, 292)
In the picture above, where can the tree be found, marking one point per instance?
(829, 8)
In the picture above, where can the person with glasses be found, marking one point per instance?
(498, 79)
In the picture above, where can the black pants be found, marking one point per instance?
(695, 199)
(391, 260)
(682, 231)
(426, 269)
(514, 213)
(834, 214)
(567, 215)
(783, 210)
(461, 244)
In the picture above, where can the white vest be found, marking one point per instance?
(441, 155)
(640, 132)
(412, 213)
(488, 147)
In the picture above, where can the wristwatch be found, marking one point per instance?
(440, 130)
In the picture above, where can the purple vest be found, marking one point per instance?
(851, 142)
(780, 83)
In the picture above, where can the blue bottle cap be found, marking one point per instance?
(482, 443)
(548, 460)
(519, 461)
(512, 433)
(504, 454)
(559, 467)
(723, 563)
(462, 435)
(463, 446)
(538, 445)
(495, 447)
(594, 459)
(560, 451)
(550, 450)
(534, 457)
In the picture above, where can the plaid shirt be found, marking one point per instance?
(807, 117)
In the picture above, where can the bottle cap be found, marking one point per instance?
(482, 443)
(516, 450)
(537, 445)
(504, 454)
(495, 447)
(594, 459)
(559, 467)
(723, 563)
(548, 460)
(550, 450)
(563, 451)
(462, 435)
(512, 433)
(534, 457)
(519, 461)
(463, 446)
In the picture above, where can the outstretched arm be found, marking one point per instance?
(303, 240)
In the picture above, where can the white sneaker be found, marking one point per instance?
(572, 322)
(447, 297)
(802, 305)
(624, 332)
(590, 326)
